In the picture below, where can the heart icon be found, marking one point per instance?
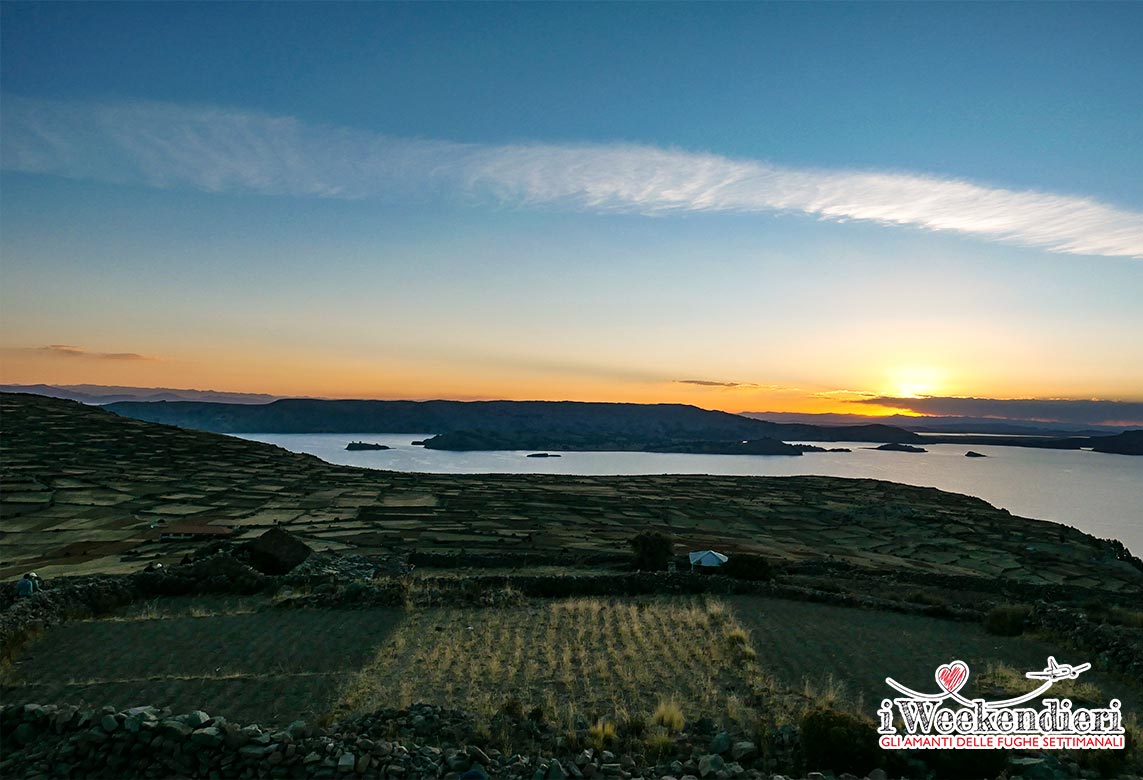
(952, 677)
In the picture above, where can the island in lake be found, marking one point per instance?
(364, 445)
(894, 447)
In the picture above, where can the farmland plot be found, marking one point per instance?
(800, 643)
(578, 658)
(270, 666)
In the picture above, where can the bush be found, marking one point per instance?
(658, 745)
(630, 726)
(602, 734)
(838, 741)
(1007, 619)
(669, 715)
(748, 567)
(652, 550)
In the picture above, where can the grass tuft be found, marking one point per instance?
(669, 715)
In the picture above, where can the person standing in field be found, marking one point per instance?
(28, 585)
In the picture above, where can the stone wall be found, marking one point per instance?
(421, 742)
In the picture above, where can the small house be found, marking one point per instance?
(707, 559)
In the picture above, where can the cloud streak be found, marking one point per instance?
(217, 150)
(712, 383)
(74, 352)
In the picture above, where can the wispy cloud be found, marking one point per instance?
(1058, 410)
(712, 383)
(217, 150)
(731, 385)
(73, 352)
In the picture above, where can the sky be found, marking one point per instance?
(790, 207)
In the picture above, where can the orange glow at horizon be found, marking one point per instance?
(344, 379)
(414, 377)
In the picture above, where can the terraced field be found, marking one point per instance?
(88, 491)
(801, 643)
(574, 659)
(271, 665)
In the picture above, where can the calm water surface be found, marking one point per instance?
(1097, 493)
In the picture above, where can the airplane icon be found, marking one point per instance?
(1053, 671)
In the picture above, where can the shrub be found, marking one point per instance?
(602, 734)
(748, 567)
(630, 726)
(658, 745)
(669, 715)
(836, 740)
(652, 550)
(738, 636)
(1007, 619)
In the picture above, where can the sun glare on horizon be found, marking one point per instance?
(915, 381)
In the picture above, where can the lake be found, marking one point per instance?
(1095, 492)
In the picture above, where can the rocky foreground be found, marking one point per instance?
(420, 742)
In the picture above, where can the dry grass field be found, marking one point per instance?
(573, 659)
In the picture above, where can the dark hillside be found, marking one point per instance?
(622, 422)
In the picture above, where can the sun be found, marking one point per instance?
(915, 381)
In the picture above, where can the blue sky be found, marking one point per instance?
(562, 200)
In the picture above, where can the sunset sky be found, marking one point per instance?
(745, 207)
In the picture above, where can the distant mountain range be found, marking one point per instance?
(500, 423)
(917, 424)
(108, 394)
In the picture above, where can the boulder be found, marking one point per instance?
(743, 751)
(276, 552)
(721, 743)
(710, 764)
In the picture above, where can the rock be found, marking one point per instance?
(198, 719)
(252, 751)
(208, 736)
(973, 454)
(109, 723)
(721, 743)
(362, 764)
(556, 771)
(743, 752)
(25, 734)
(175, 728)
(347, 762)
(711, 763)
(312, 758)
(276, 552)
(878, 774)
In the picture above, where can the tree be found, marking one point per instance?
(652, 550)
